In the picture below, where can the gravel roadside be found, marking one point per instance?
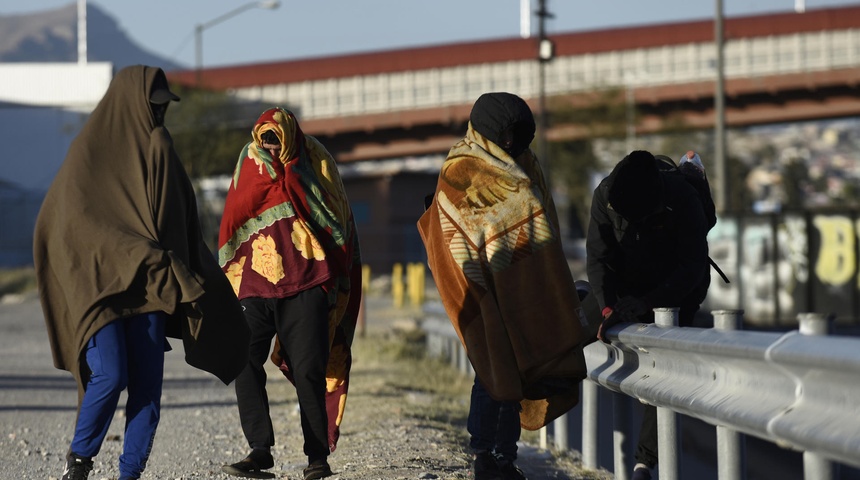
(405, 416)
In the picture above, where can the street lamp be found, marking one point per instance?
(198, 29)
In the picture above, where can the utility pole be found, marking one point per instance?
(546, 50)
(720, 112)
(525, 18)
(82, 32)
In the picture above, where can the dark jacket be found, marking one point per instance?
(661, 258)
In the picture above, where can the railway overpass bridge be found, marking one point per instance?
(411, 102)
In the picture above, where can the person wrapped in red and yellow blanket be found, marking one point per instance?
(289, 247)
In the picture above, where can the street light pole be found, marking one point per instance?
(720, 112)
(545, 54)
(198, 30)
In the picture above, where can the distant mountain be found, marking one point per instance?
(52, 36)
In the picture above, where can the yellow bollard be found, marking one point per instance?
(410, 283)
(397, 285)
(365, 278)
(361, 321)
(419, 267)
(416, 284)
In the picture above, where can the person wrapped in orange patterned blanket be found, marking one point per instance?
(494, 249)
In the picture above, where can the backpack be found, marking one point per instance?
(699, 181)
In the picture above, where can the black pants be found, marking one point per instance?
(301, 324)
(646, 450)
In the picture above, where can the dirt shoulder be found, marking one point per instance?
(405, 415)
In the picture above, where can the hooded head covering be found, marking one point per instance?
(160, 93)
(494, 114)
(636, 189)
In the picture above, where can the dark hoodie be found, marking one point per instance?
(495, 113)
(648, 238)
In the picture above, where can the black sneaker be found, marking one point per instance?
(641, 473)
(77, 468)
(252, 466)
(317, 469)
(509, 471)
(485, 467)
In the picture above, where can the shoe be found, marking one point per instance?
(252, 466)
(641, 473)
(77, 468)
(485, 467)
(317, 469)
(509, 471)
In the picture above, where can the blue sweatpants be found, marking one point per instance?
(126, 353)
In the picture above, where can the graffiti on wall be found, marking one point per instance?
(836, 264)
(783, 265)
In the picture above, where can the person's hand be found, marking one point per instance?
(627, 310)
(630, 308)
(608, 322)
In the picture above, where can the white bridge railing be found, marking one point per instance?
(799, 390)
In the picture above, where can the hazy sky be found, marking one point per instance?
(312, 28)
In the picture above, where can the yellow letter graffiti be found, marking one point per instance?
(836, 258)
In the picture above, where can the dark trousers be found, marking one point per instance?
(646, 450)
(301, 324)
(494, 426)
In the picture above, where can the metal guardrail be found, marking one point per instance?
(798, 389)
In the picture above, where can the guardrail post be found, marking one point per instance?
(589, 424)
(731, 444)
(621, 406)
(543, 438)
(560, 428)
(668, 434)
(815, 466)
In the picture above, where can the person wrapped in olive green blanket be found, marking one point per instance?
(494, 249)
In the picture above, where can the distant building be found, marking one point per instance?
(42, 108)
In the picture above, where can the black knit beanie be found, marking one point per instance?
(636, 189)
(496, 112)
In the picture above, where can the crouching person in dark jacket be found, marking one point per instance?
(647, 247)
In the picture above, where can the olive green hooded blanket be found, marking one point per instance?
(118, 235)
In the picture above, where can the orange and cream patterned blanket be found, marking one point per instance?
(493, 246)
